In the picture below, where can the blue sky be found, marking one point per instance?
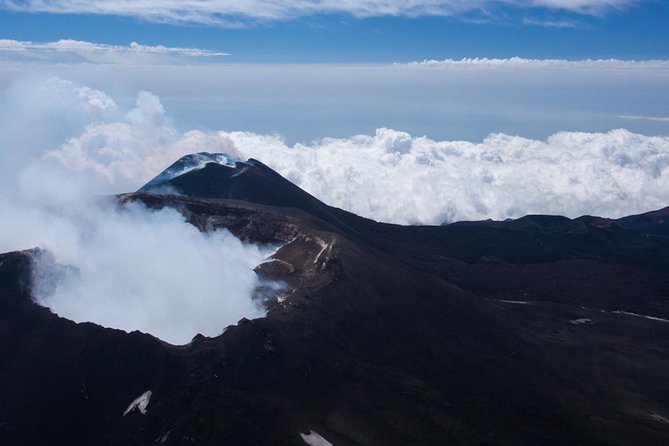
(570, 30)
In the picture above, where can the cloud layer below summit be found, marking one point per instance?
(388, 175)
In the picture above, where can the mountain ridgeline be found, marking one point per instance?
(538, 331)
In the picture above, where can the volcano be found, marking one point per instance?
(543, 330)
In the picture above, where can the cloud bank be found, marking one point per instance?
(394, 177)
(77, 51)
(391, 175)
(523, 63)
(236, 12)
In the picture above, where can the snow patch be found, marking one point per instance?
(140, 403)
(163, 438)
(314, 439)
(652, 318)
(519, 302)
(323, 246)
(580, 321)
(659, 418)
(188, 163)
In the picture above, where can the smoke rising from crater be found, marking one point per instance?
(137, 269)
(127, 266)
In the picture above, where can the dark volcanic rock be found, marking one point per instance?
(527, 332)
(655, 224)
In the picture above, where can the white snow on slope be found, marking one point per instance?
(652, 318)
(580, 321)
(314, 439)
(140, 403)
(659, 418)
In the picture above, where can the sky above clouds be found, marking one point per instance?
(445, 99)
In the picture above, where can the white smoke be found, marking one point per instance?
(63, 145)
(149, 270)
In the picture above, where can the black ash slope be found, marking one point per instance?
(526, 332)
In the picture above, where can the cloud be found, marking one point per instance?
(77, 51)
(395, 177)
(236, 12)
(523, 63)
(646, 118)
(557, 24)
(39, 114)
(122, 155)
(83, 131)
(585, 6)
(461, 99)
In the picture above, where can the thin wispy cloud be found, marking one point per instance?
(482, 62)
(236, 12)
(583, 6)
(646, 118)
(68, 50)
(557, 24)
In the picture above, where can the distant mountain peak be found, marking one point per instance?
(188, 163)
(223, 176)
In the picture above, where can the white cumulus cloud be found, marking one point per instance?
(395, 177)
(121, 155)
